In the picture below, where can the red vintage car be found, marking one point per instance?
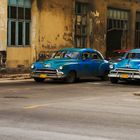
(117, 55)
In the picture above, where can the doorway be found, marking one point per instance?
(117, 30)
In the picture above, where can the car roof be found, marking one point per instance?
(121, 51)
(79, 49)
(135, 51)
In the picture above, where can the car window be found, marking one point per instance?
(67, 54)
(71, 54)
(95, 55)
(59, 54)
(133, 56)
(86, 55)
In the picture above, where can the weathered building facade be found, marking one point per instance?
(28, 27)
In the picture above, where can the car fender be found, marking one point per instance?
(104, 67)
(70, 67)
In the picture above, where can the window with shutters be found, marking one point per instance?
(81, 10)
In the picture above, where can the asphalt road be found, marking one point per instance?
(88, 110)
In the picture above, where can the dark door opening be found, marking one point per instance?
(114, 41)
(117, 30)
(137, 31)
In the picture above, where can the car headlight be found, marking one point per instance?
(32, 66)
(111, 66)
(61, 67)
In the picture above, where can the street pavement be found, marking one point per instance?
(87, 110)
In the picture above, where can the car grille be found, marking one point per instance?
(49, 72)
(122, 70)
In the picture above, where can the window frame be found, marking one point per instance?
(24, 22)
(99, 57)
(81, 11)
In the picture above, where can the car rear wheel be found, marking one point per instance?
(71, 77)
(39, 79)
(114, 80)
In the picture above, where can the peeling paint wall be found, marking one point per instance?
(55, 24)
(100, 22)
(132, 6)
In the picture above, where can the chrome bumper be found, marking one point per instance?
(124, 74)
(45, 74)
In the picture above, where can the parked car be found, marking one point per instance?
(127, 69)
(70, 64)
(117, 55)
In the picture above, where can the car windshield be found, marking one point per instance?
(67, 54)
(133, 56)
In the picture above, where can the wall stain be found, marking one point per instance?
(40, 4)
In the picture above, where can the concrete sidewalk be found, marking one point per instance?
(15, 76)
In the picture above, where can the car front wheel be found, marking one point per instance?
(71, 77)
(39, 79)
(105, 76)
(114, 80)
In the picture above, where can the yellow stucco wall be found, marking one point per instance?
(34, 31)
(3, 25)
(18, 56)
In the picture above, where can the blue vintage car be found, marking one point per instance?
(70, 64)
(127, 69)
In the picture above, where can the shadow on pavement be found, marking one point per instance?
(31, 82)
(130, 83)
